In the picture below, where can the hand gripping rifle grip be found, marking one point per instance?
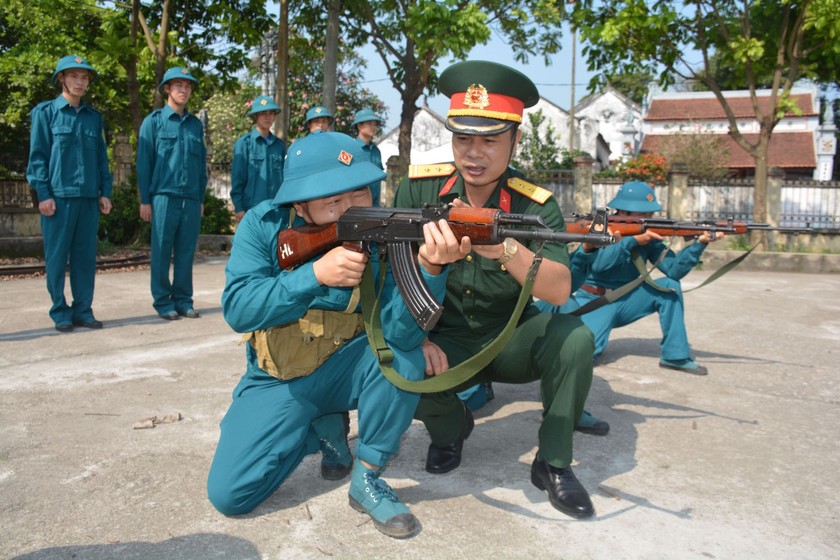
(420, 302)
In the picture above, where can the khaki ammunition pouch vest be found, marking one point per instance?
(299, 348)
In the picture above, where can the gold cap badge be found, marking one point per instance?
(476, 97)
(263, 102)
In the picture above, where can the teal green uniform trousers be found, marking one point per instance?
(176, 223)
(267, 430)
(70, 237)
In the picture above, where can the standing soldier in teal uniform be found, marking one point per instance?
(318, 118)
(308, 357)
(487, 101)
(172, 177)
(366, 124)
(257, 169)
(68, 169)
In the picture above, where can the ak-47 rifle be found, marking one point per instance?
(635, 225)
(399, 230)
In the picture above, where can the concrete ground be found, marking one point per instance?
(741, 464)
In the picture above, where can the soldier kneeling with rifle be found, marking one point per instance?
(308, 357)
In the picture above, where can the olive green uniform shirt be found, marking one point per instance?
(480, 294)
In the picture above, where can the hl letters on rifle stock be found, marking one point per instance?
(400, 229)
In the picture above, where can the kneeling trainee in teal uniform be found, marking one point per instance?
(68, 169)
(487, 103)
(611, 267)
(308, 357)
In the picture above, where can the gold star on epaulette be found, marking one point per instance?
(535, 192)
(430, 170)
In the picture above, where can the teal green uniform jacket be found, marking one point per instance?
(257, 170)
(67, 156)
(171, 157)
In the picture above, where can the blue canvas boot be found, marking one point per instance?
(687, 365)
(592, 425)
(372, 495)
(332, 430)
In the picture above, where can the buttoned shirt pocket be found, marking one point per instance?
(62, 134)
(166, 142)
(91, 139)
(194, 145)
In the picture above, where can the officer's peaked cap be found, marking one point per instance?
(635, 196)
(69, 63)
(263, 103)
(325, 164)
(176, 73)
(485, 98)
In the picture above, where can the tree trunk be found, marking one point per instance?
(281, 96)
(133, 87)
(331, 56)
(160, 53)
(760, 157)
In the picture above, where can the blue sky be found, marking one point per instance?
(553, 81)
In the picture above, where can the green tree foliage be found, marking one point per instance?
(411, 38)
(227, 120)
(218, 218)
(123, 226)
(787, 40)
(634, 85)
(537, 152)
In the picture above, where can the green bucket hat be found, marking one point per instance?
(177, 72)
(485, 98)
(316, 112)
(325, 164)
(365, 115)
(263, 103)
(635, 196)
(70, 62)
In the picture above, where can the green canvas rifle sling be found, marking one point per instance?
(455, 375)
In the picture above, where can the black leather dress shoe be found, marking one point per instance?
(442, 459)
(170, 316)
(189, 313)
(64, 327)
(92, 324)
(565, 492)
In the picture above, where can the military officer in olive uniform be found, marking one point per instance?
(366, 125)
(68, 169)
(486, 106)
(308, 358)
(318, 118)
(172, 178)
(257, 169)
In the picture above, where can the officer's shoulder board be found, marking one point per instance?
(535, 192)
(428, 171)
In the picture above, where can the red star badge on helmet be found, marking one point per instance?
(345, 157)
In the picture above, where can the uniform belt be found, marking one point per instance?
(595, 290)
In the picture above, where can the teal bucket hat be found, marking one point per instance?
(70, 62)
(365, 115)
(325, 164)
(177, 73)
(316, 112)
(263, 103)
(635, 196)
